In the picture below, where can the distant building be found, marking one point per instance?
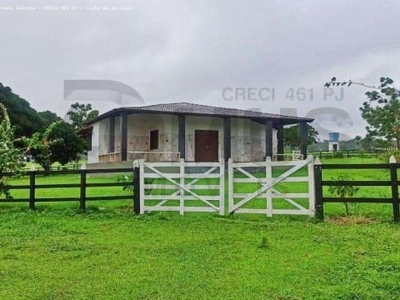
(334, 141)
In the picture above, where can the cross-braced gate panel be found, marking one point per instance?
(279, 187)
(181, 186)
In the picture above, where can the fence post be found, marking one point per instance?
(223, 171)
(182, 183)
(136, 187)
(319, 204)
(230, 185)
(32, 183)
(82, 201)
(395, 191)
(268, 180)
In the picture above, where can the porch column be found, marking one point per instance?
(111, 134)
(268, 138)
(182, 135)
(227, 140)
(280, 137)
(303, 139)
(124, 136)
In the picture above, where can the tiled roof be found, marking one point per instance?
(185, 108)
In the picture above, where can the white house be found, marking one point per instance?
(168, 132)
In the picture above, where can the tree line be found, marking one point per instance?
(41, 135)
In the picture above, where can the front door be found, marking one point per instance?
(206, 145)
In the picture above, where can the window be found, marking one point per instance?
(89, 142)
(154, 139)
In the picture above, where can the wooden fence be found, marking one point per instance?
(393, 182)
(348, 153)
(138, 187)
(83, 186)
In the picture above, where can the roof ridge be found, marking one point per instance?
(187, 108)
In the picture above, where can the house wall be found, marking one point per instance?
(139, 127)
(248, 140)
(100, 140)
(93, 155)
(247, 137)
(241, 139)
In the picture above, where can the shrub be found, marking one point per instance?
(128, 183)
(386, 155)
(338, 154)
(343, 191)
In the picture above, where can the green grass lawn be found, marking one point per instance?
(57, 252)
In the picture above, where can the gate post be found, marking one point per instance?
(82, 199)
(136, 187)
(311, 185)
(268, 181)
(230, 186)
(182, 183)
(32, 183)
(395, 188)
(222, 170)
(319, 204)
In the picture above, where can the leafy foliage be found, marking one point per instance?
(343, 190)
(25, 119)
(385, 157)
(80, 114)
(10, 157)
(49, 117)
(381, 111)
(70, 145)
(59, 143)
(127, 181)
(292, 136)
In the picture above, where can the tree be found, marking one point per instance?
(59, 143)
(70, 145)
(381, 111)
(10, 157)
(25, 119)
(80, 114)
(292, 136)
(48, 117)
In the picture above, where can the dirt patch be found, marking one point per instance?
(350, 220)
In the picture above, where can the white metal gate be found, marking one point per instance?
(272, 187)
(181, 186)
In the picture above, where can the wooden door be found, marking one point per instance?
(206, 145)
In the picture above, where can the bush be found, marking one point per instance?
(338, 154)
(386, 155)
(343, 191)
(128, 183)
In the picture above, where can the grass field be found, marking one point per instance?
(57, 252)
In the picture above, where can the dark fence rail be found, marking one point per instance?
(393, 182)
(83, 185)
(348, 153)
